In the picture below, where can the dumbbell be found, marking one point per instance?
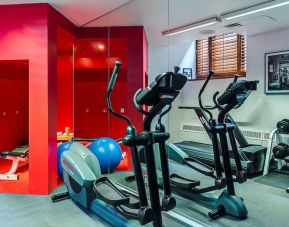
(283, 126)
(281, 151)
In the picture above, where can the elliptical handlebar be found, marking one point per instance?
(176, 69)
(240, 89)
(113, 76)
(137, 106)
(164, 113)
(236, 77)
(110, 89)
(211, 73)
(217, 105)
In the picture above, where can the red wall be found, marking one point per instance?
(13, 104)
(30, 32)
(90, 82)
(55, 20)
(145, 59)
(91, 116)
(25, 33)
(125, 44)
(92, 69)
(64, 80)
(135, 71)
(25, 37)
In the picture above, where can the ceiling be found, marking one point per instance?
(159, 15)
(77, 11)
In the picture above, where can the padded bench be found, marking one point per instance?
(17, 156)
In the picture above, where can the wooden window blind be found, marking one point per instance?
(202, 57)
(224, 54)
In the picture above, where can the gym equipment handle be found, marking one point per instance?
(141, 139)
(144, 138)
(114, 76)
(161, 136)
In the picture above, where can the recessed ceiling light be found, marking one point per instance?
(189, 27)
(254, 9)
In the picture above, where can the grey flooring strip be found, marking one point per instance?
(180, 218)
(186, 220)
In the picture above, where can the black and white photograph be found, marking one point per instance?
(188, 72)
(277, 72)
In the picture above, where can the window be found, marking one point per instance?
(202, 57)
(224, 54)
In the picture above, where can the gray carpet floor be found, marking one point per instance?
(274, 179)
(268, 206)
(39, 211)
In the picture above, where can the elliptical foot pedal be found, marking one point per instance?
(134, 202)
(109, 193)
(144, 214)
(128, 212)
(183, 182)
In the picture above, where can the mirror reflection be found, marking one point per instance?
(142, 112)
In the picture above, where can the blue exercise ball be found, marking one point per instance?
(62, 148)
(108, 153)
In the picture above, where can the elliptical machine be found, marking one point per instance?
(82, 174)
(181, 181)
(159, 94)
(86, 186)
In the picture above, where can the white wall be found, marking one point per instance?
(260, 111)
(163, 59)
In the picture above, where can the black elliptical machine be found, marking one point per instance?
(94, 191)
(160, 137)
(141, 210)
(89, 188)
(228, 203)
(158, 95)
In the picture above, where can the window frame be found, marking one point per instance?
(240, 60)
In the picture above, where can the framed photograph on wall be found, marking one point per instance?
(188, 72)
(277, 72)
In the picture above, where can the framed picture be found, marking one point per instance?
(188, 72)
(277, 72)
